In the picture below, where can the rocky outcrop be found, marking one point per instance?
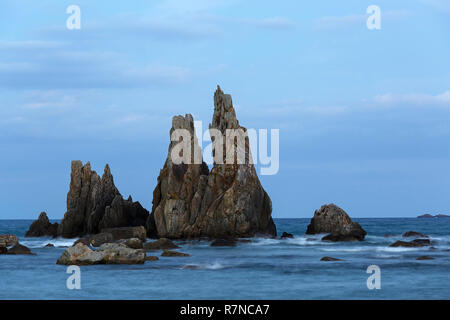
(350, 232)
(133, 243)
(19, 249)
(191, 202)
(7, 240)
(417, 243)
(335, 221)
(160, 244)
(109, 253)
(414, 234)
(42, 227)
(330, 259)
(425, 258)
(94, 203)
(127, 233)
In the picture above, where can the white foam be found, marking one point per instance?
(41, 243)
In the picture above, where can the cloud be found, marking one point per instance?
(441, 5)
(271, 23)
(416, 99)
(340, 22)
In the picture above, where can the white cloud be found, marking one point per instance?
(419, 99)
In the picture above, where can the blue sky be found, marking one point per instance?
(363, 114)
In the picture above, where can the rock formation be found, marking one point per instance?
(335, 221)
(42, 227)
(417, 243)
(191, 202)
(7, 240)
(94, 203)
(414, 234)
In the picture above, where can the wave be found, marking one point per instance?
(211, 266)
(41, 243)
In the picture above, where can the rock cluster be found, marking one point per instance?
(93, 204)
(335, 221)
(42, 227)
(190, 201)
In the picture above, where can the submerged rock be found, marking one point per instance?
(351, 232)
(425, 258)
(42, 227)
(3, 250)
(151, 258)
(94, 203)
(223, 243)
(49, 245)
(414, 234)
(80, 254)
(19, 249)
(160, 244)
(191, 202)
(417, 243)
(330, 259)
(169, 253)
(286, 235)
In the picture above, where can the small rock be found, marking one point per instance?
(127, 233)
(351, 232)
(42, 227)
(80, 254)
(417, 243)
(169, 253)
(84, 241)
(97, 240)
(133, 243)
(414, 234)
(151, 258)
(425, 258)
(223, 243)
(49, 245)
(330, 259)
(160, 244)
(116, 253)
(19, 249)
(286, 235)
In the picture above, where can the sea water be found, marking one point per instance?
(260, 269)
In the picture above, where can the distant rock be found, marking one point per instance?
(223, 243)
(286, 235)
(19, 249)
(425, 258)
(49, 245)
(7, 240)
(436, 216)
(414, 234)
(330, 259)
(190, 201)
(417, 243)
(151, 258)
(94, 203)
(169, 253)
(160, 244)
(42, 227)
(109, 253)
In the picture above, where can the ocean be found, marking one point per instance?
(261, 269)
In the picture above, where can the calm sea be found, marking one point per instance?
(262, 269)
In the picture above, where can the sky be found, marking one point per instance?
(364, 115)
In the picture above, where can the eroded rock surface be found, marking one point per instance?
(191, 202)
(42, 227)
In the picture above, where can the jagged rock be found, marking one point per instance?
(327, 219)
(417, 243)
(160, 244)
(123, 213)
(98, 239)
(19, 249)
(7, 240)
(42, 227)
(169, 253)
(223, 243)
(229, 201)
(330, 259)
(127, 233)
(133, 243)
(350, 232)
(286, 235)
(414, 234)
(94, 203)
(109, 253)
(84, 241)
(425, 258)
